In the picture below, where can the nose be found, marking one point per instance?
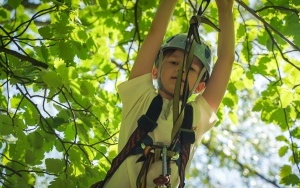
(178, 68)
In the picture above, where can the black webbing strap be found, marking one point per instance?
(146, 123)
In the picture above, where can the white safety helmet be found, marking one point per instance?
(201, 51)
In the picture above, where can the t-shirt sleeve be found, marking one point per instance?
(133, 90)
(204, 117)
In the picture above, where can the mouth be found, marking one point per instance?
(175, 78)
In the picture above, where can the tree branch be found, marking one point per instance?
(10, 169)
(24, 58)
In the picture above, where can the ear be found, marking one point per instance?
(155, 73)
(200, 87)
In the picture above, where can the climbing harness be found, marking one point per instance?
(136, 145)
(182, 135)
(179, 154)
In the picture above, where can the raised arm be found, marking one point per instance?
(218, 81)
(149, 49)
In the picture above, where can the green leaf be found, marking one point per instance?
(82, 35)
(296, 2)
(76, 157)
(13, 61)
(87, 88)
(66, 51)
(52, 79)
(15, 102)
(36, 140)
(283, 150)
(292, 179)
(58, 121)
(228, 101)
(69, 132)
(14, 3)
(286, 96)
(103, 4)
(45, 32)
(67, 74)
(62, 182)
(6, 125)
(25, 181)
(282, 138)
(290, 29)
(87, 121)
(285, 171)
(4, 14)
(45, 53)
(296, 132)
(278, 117)
(29, 157)
(54, 165)
(83, 132)
(270, 44)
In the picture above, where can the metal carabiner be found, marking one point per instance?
(164, 179)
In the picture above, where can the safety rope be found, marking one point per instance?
(193, 35)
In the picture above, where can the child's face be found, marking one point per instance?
(170, 67)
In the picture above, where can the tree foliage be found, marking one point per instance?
(61, 60)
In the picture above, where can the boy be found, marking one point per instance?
(138, 92)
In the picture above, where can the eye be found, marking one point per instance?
(174, 63)
(192, 68)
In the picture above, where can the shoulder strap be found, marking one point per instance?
(146, 123)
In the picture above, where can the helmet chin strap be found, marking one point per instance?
(161, 87)
(198, 79)
(159, 82)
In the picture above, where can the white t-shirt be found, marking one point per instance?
(136, 96)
